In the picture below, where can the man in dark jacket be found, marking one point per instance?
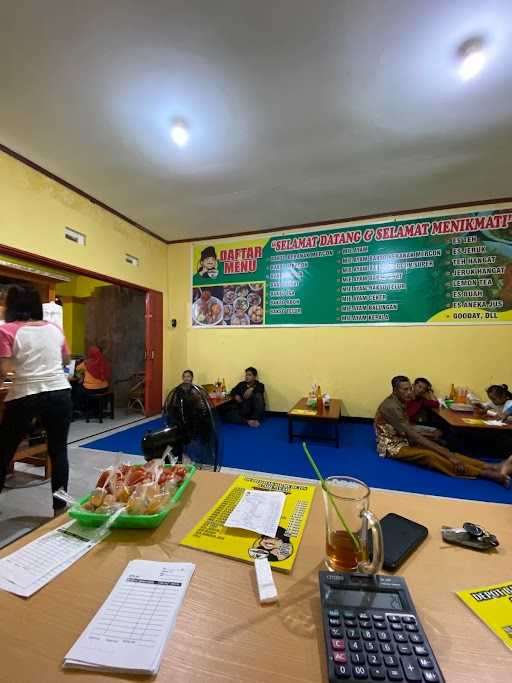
(248, 404)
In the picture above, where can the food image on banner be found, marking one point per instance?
(233, 305)
(444, 269)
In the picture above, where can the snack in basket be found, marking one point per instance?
(144, 489)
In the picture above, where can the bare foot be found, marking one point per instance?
(506, 466)
(253, 423)
(498, 477)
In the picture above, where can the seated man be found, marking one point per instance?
(398, 438)
(249, 401)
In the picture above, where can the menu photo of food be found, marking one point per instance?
(235, 305)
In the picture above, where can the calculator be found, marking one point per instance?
(372, 631)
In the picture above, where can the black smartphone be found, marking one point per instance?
(401, 538)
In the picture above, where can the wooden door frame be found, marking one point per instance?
(53, 263)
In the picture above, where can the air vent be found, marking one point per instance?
(132, 260)
(74, 236)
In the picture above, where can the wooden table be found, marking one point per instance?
(456, 419)
(223, 635)
(218, 401)
(330, 415)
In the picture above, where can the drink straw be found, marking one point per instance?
(330, 497)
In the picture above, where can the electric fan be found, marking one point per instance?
(191, 428)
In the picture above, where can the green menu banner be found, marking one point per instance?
(451, 269)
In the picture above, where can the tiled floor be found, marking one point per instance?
(23, 509)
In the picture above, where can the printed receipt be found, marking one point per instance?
(130, 631)
(258, 511)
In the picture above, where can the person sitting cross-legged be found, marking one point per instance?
(248, 405)
(398, 438)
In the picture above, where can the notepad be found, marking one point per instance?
(129, 633)
(27, 570)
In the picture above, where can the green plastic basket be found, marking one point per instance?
(127, 521)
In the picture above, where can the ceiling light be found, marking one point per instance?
(472, 57)
(179, 133)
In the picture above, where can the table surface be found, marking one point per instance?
(223, 635)
(219, 400)
(333, 412)
(456, 419)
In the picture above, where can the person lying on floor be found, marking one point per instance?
(419, 409)
(248, 404)
(398, 438)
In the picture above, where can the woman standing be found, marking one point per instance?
(35, 351)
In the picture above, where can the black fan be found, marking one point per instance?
(191, 428)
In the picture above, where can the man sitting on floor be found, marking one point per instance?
(398, 438)
(249, 401)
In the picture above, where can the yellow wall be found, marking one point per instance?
(352, 363)
(35, 210)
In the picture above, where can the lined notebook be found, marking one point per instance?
(129, 633)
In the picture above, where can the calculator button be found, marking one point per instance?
(393, 618)
(374, 660)
(342, 671)
(420, 650)
(339, 657)
(378, 617)
(337, 644)
(395, 675)
(367, 634)
(425, 663)
(365, 624)
(334, 622)
(430, 676)
(350, 623)
(411, 670)
(389, 660)
(354, 646)
(404, 650)
(396, 627)
(336, 632)
(383, 635)
(387, 648)
(400, 637)
(381, 626)
(360, 671)
(357, 658)
(370, 646)
(347, 614)
(416, 638)
(411, 627)
(333, 613)
(364, 616)
(377, 674)
(352, 633)
(409, 620)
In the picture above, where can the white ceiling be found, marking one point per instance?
(299, 110)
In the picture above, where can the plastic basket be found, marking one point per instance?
(127, 521)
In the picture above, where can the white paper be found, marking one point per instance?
(258, 511)
(129, 632)
(495, 423)
(27, 570)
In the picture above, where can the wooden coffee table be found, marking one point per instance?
(330, 415)
(458, 419)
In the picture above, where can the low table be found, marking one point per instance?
(330, 415)
(457, 419)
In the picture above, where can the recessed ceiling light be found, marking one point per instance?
(472, 57)
(179, 133)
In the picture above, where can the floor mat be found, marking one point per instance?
(267, 450)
